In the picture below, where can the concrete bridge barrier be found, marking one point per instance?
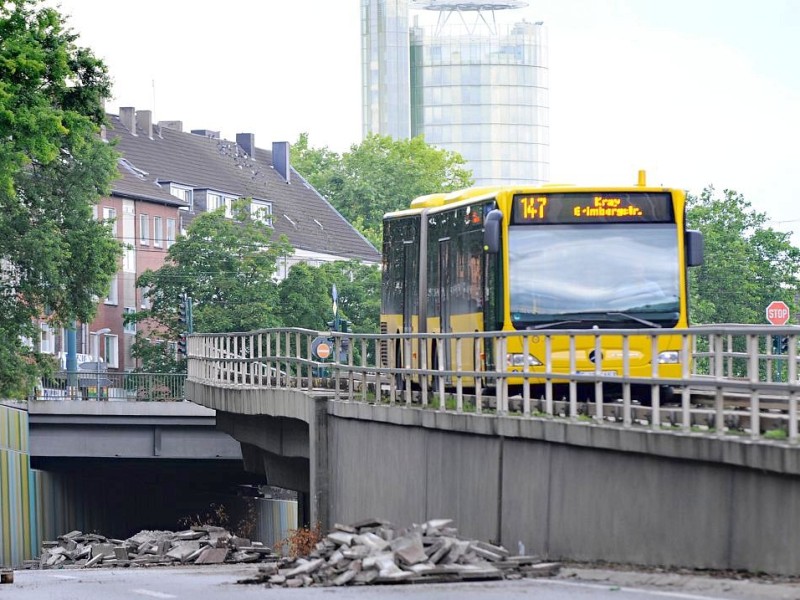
(565, 489)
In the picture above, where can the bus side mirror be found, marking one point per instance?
(694, 248)
(491, 231)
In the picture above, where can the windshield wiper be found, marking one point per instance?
(583, 321)
(558, 324)
(635, 318)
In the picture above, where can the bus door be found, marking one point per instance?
(446, 268)
(492, 304)
(409, 284)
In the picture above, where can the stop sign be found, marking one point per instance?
(778, 312)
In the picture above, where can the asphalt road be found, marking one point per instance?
(219, 582)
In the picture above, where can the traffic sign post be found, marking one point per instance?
(322, 349)
(778, 312)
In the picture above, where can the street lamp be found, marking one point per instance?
(97, 335)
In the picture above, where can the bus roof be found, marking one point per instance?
(479, 192)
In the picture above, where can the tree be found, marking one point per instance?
(747, 264)
(305, 295)
(56, 258)
(379, 175)
(305, 298)
(359, 293)
(226, 265)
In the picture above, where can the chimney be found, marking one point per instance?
(214, 135)
(173, 125)
(280, 159)
(248, 143)
(127, 116)
(144, 119)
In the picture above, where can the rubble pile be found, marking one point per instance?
(204, 544)
(374, 551)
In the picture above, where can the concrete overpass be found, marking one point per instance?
(562, 483)
(119, 467)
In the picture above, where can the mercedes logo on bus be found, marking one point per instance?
(592, 356)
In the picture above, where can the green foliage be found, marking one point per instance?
(155, 354)
(747, 264)
(305, 295)
(226, 266)
(377, 176)
(53, 168)
(359, 290)
(305, 298)
(776, 434)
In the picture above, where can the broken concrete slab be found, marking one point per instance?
(183, 549)
(151, 548)
(376, 552)
(211, 556)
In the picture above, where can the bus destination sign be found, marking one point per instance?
(593, 207)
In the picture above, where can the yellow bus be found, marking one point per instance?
(529, 259)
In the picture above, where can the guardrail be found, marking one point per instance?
(90, 385)
(735, 384)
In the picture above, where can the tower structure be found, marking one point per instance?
(480, 88)
(385, 68)
(466, 82)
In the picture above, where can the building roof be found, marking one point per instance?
(204, 161)
(139, 185)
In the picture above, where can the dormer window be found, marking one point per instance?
(215, 200)
(183, 192)
(261, 211)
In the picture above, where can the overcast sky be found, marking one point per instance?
(696, 92)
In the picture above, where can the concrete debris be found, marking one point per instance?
(375, 552)
(202, 545)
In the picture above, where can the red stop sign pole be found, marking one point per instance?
(777, 312)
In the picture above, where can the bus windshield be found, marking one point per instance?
(611, 275)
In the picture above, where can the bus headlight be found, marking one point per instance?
(521, 360)
(670, 357)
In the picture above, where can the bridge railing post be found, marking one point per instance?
(573, 385)
(626, 384)
(478, 362)
(598, 370)
(655, 388)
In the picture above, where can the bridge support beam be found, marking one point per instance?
(285, 439)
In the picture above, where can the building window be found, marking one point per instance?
(158, 232)
(130, 326)
(184, 193)
(110, 215)
(144, 230)
(129, 259)
(47, 344)
(170, 232)
(261, 211)
(215, 201)
(111, 351)
(145, 303)
(113, 292)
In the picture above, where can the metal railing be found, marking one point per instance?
(132, 387)
(738, 382)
